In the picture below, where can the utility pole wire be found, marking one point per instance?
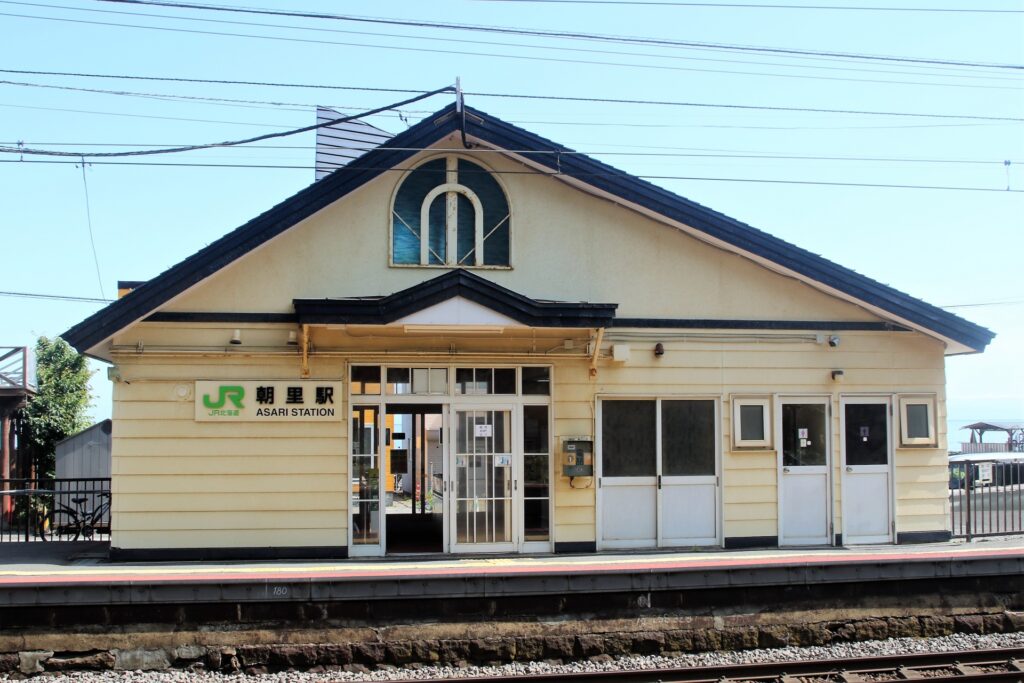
(560, 34)
(230, 143)
(92, 239)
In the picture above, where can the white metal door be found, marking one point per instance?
(657, 472)
(867, 470)
(804, 446)
(482, 510)
(687, 466)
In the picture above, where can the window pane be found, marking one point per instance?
(535, 476)
(420, 381)
(867, 441)
(466, 231)
(803, 434)
(627, 439)
(438, 231)
(536, 520)
(438, 381)
(463, 380)
(398, 381)
(504, 380)
(536, 381)
(365, 379)
(405, 228)
(484, 383)
(687, 438)
(535, 429)
(752, 423)
(917, 421)
(496, 211)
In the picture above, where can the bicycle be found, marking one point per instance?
(74, 523)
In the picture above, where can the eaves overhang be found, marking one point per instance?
(456, 283)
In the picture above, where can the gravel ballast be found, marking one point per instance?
(892, 646)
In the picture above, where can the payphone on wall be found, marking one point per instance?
(577, 456)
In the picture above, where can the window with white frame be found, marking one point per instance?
(450, 212)
(917, 420)
(751, 422)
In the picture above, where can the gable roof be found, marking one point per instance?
(570, 166)
(456, 283)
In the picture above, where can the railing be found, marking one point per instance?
(986, 498)
(966, 447)
(16, 369)
(55, 510)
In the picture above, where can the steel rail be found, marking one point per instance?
(960, 665)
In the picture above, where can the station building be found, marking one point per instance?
(474, 340)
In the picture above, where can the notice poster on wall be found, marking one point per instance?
(268, 401)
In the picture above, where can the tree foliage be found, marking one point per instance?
(58, 409)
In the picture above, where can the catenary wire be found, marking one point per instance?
(523, 96)
(944, 71)
(548, 174)
(723, 154)
(227, 143)
(750, 5)
(561, 34)
(516, 56)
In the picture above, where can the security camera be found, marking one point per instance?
(833, 341)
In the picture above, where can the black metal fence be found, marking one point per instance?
(986, 498)
(54, 510)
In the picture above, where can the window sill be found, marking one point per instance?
(447, 267)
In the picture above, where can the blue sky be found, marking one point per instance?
(948, 247)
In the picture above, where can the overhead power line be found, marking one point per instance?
(57, 297)
(230, 143)
(520, 46)
(752, 5)
(563, 34)
(517, 55)
(552, 174)
(567, 98)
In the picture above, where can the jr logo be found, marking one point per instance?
(232, 393)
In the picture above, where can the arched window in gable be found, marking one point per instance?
(450, 212)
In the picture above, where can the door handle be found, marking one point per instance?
(785, 469)
(659, 481)
(849, 468)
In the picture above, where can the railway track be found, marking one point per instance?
(963, 666)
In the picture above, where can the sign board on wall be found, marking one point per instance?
(270, 401)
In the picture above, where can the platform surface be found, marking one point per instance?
(42, 565)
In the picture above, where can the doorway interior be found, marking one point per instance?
(414, 478)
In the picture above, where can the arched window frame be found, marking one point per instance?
(451, 189)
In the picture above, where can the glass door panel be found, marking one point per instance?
(365, 477)
(483, 480)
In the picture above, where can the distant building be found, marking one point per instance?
(85, 455)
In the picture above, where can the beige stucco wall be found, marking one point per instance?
(566, 245)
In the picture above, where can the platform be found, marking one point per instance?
(42, 578)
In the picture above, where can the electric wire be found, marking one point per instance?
(552, 174)
(750, 5)
(945, 70)
(560, 34)
(525, 96)
(92, 238)
(476, 54)
(723, 154)
(227, 143)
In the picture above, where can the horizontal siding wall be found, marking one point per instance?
(179, 483)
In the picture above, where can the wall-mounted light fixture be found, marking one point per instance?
(236, 338)
(659, 350)
(837, 375)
